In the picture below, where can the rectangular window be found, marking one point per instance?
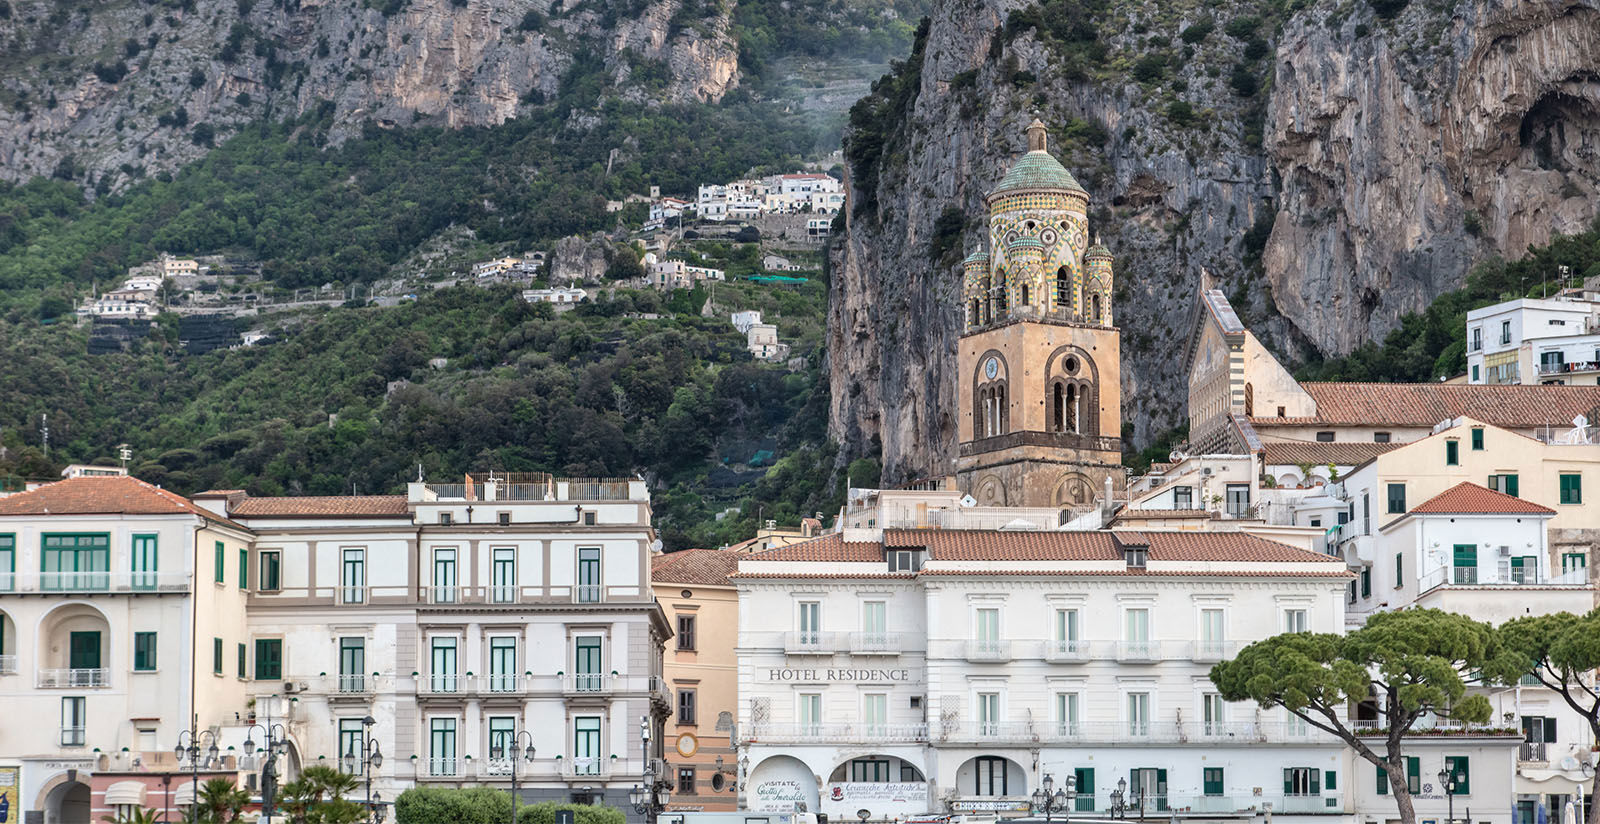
(444, 575)
(1571, 488)
(1366, 582)
(686, 633)
(504, 518)
(75, 562)
(1213, 633)
(83, 653)
(1464, 564)
(1150, 784)
(1325, 437)
(1475, 373)
(352, 664)
(1296, 620)
(1538, 729)
(8, 562)
(144, 563)
(350, 733)
(1302, 781)
(986, 627)
(446, 519)
(74, 720)
(586, 753)
(1399, 570)
(504, 576)
(1212, 781)
(1505, 332)
(1460, 773)
(144, 652)
(1238, 500)
(1382, 437)
(244, 569)
(1213, 713)
(1413, 776)
(1138, 714)
(904, 560)
(589, 575)
(587, 663)
(1067, 713)
(1452, 452)
(686, 781)
(875, 713)
(1183, 497)
(221, 562)
(353, 576)
(991, 776)
(1573, 560)
(241, 666)
(271, 570)
(810, 618)
(988, 713)
(1397, 498)
(1477, 338)
(1067, 631)
(442, 670)
(1525, 569)
(503, 663)
(686, 706)
(1366, 513)
(869, 770)
(810, 712)
(502, 737)
(1506, 483)
(1477, 439)
(442, 746)
(875, 622)
(269, 659)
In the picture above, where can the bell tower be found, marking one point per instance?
(1040, 362)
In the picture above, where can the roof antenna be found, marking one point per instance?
(419, 472)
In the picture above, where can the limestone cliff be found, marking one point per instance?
(1330, 168)
(113, 88)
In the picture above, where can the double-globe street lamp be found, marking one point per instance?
(1447, 782)
(277, 743)
(367, 759)
(509, 750)
(653, 796)
(1121, 802)
(191, 751)
(1050, 800)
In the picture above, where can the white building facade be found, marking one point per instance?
(908, 671)
(1533, 341)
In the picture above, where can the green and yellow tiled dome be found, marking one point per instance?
(1037, 169)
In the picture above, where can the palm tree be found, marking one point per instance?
(317, 797)
(137, 815)
(330, 781)
(221, 801)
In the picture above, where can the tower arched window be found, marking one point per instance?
(1058, 408)
(1026, 299)
(1063, 289)
(1001, 306)
(1070, 412)
(1094, 312)
(1249, 400)
(1003, 414)
(988, 301)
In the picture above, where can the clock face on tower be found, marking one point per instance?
(688, 745)
(991, 367)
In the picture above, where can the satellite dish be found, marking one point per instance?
(1569, 763)
(655, 546)
(968, 501)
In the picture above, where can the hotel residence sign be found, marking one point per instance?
(841, 675)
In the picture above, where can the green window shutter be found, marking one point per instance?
(222, 562)
(1330, 780)
(1085, 788)
(1288, 781)
(1212, 781)
(1572, 489)
(1399, 569)
(1516, 562)
(1414, 774)
(144, 651)
(1511, 485)
(1383, 781)
(216, 655)
(242, 658)
(244, 569)
(1477, 440)
(269, 659)
(1452, 453)
(1366, 583)
(1465, 555)
(1457, 765)
(1316, 781)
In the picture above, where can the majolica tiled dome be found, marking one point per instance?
(1037, 169)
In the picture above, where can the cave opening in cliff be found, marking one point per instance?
(1560, 132)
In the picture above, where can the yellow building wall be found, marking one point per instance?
(712, 670)
(220, 613)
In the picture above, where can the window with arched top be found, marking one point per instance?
(1249, 400)
(1025, 297)
(1001, 305)
(977, 312)
(1094, 311)
(1063, 288)
(988, 300)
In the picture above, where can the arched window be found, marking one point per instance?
(1058, 408)
(1073, 398)
(1063, 289)
(1003, 415)
(1025, 297)
(988, 300)
(1001, 307)
(977, 312)
(1249, 400)
(1094, 313)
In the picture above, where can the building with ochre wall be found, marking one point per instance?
(1039, 394)
(702, 670)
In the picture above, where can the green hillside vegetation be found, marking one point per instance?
(315, 214)
(347, 402)
(1432, 344)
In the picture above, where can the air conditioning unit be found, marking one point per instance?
(289, 686)
(1504, 552)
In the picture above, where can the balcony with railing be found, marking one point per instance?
(587, 594)
(1547, 368)
(73, 678)
(128, 582)
(1210, 652)
(995, 732)
(660, 693)
(810, 642)
(8, 665)
(584, 767)
(444, 767)
(502, 683)
(354, 684)
(1474, 576)
(988, 651)
(439, 594)
(835, 733)
(1066, 651)
(72, 736)
(1139, 652)
(1533, 751)
(588, 683)
(877, 643)
(444, 684)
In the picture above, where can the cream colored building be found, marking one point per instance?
(702, 670)
(122, 627)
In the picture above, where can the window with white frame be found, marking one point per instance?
(1213, 712)
(1067, 714)
(353, 575)
(1296, 620)
(1067, 631)
(1213, 635)
(444, 575)
(1136, 631)
(875, 713)
(809, 710)
(810, 623)
(1138, 714)
(875, 623)
(989, 718)
(504, 576)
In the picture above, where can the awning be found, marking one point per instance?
(183, 794)
(126, 792)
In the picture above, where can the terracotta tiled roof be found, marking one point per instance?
(1161, 514)
(114, 495)
(1471, 499)
(217, 493)
(830, 547)
(1425, 404)
(1165, 573)
(341, 506)
(702, 567)
(989, 545)
(1322, 454)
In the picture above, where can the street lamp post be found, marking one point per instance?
(277, 743)
(1447, 782)
(191, 750)
(651, 797)
(1119, 796)
(512, 748)
(1051, 800)
(370, 758)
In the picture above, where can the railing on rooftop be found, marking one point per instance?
(130, 582)
(1465, 576)
(1568, 435)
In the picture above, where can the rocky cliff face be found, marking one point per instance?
(1328, 167)
(100, 85)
